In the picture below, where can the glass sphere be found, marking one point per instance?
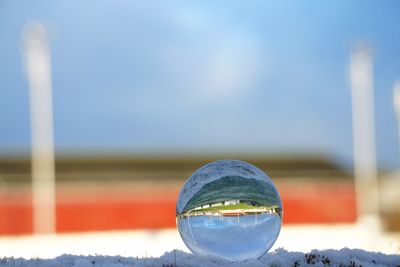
(230, 209)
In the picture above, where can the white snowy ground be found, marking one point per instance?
(344, 257)
(338, 245)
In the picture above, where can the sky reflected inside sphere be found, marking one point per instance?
(229, 209)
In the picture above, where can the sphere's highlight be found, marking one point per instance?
(230, 209)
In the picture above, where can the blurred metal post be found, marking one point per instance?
(37, 61)
(365, 167)
(396, 103)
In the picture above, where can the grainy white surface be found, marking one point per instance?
(147, 248)
(281, 257)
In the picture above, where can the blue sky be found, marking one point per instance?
(141, 76)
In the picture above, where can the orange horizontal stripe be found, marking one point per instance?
(153, 208)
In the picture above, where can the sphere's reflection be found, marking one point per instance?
(230, 209)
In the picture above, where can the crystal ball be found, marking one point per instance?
(229, 209)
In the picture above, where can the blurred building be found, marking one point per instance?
(109, 193)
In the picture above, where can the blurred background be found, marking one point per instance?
(107, 107)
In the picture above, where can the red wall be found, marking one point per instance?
(93, 210)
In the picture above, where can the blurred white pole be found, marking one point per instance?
(365, 167)
(37, 61)
(396, 103)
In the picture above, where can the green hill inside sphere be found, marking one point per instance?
(248, 190)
